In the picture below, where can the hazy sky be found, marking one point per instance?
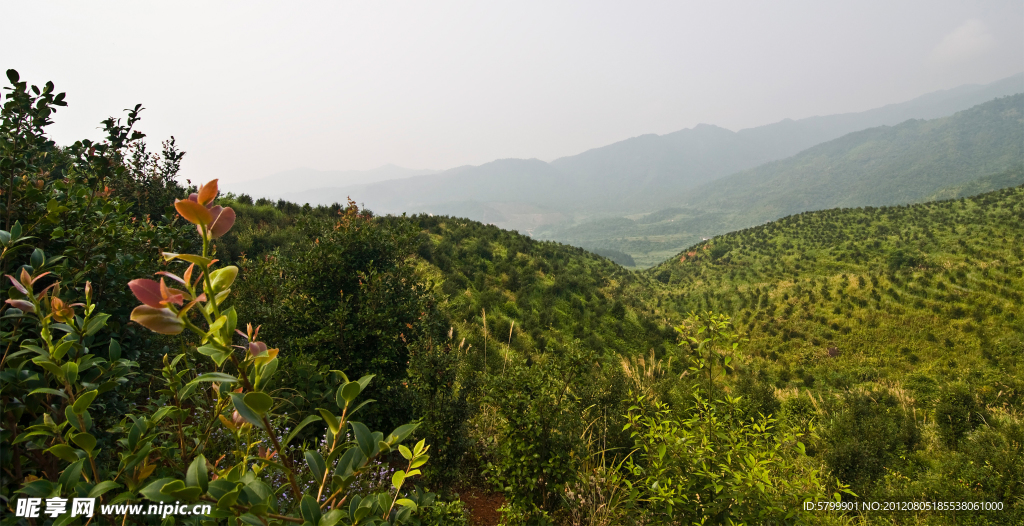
(252, 88)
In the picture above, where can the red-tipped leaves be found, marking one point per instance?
(223, 220)
(155, 294)
(25, 306)
(208, 193)
(193, 212)
(147, 291)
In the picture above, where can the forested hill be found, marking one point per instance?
(879, 166)
(553, 293)
(921, 294)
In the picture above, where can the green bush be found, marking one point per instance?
(713, 464)
(866, 434)
(344, 293)
(957, 413)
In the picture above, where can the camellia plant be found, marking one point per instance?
(216, 393)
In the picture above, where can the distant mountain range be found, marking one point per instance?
(684, 179)
(973, 151)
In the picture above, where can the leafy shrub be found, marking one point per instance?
(957, 413)
(756, 397)
(539, 447)
(444, 393)
(712, 464)
(445, 513)
(344, 293)
(866, 434)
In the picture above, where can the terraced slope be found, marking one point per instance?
(921, 294)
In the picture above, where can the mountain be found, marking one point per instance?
(291, 182)
(886, 165)
(637, 175)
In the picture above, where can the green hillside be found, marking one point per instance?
(553, 293)
(919, 308)
(894, 292)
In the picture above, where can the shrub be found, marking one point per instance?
(957, 413)
(869, 432)
(712, 464)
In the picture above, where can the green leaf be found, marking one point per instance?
(305, 422)
(218, 355)
(47, 390)
(171, 487)
(364, 438)
(229, 499)
(401, 433)
(309, 509)
(102, 488)
(332, 421)
(98, 322)
(360, 406)
(71, 474)
(259, 402)
(152, 490)
(397, 479)
(62, 350)
(316, 464)
(37, 259)
(349, 462)
(197, 475)
(70, 372)
(331, 518)
(239, 402)
(350, 392)
(220, 487)
(84, 400)
(74, 418)
(220, 378)
(223, 278)
(114, 351)
(85, 441)
(191, 258)
(364, 381)
(185, 494)
(38, 488)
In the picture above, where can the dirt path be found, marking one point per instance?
(483, 506)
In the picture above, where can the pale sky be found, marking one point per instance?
(253, 88)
